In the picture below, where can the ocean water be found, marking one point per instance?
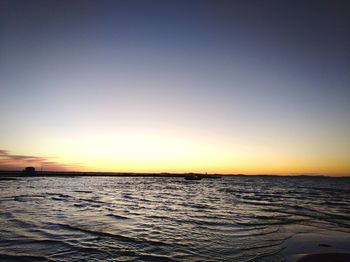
(164, 219)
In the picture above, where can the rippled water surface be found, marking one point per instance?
(164, 219)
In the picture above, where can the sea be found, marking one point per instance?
(97, 218)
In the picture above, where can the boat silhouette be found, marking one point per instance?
(193, 177)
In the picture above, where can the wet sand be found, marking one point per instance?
(334, 257)
(323, 246)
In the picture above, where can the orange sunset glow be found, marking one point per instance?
(175, 131)
(88, 90)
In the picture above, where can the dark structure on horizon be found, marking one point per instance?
(29, 170)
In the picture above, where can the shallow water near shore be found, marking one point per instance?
(165, 219)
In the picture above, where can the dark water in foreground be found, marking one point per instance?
(164, 219)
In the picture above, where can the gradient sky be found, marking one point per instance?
(176, 86)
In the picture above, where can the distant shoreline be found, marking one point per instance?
(130, 174)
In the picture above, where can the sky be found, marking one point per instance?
(175, 86)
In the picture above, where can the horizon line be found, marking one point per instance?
(180, 173)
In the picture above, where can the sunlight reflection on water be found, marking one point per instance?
(165, 219)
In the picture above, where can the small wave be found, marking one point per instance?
(42, 241)
(59, 195)
(270, 223)
(118, 237)
(25, 198)
(83, 191)
(24, 258)
(99, 233)
(80, 205)
(277, 243)
(149, 257)
(117, 216)
(57, 199)
(94, 201)
(7, 215)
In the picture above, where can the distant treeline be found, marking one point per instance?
(117, 174)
